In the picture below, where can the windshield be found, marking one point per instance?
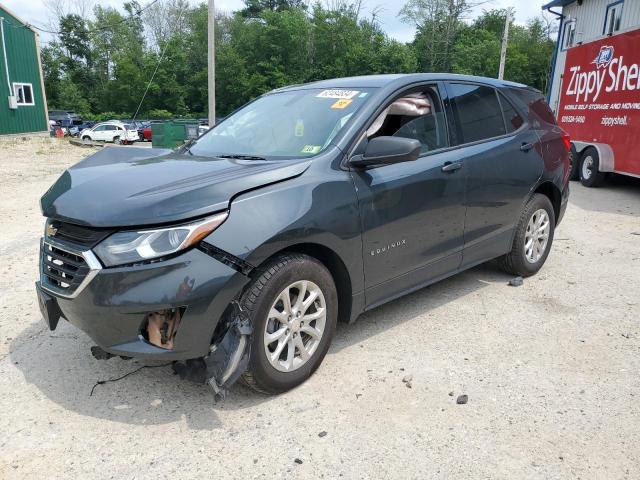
(290, 124)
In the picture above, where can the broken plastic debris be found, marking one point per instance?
(162, 327)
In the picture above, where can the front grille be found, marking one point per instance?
(84, 237)
(63, 271)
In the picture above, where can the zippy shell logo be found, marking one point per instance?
(611, 74)
(604, 57)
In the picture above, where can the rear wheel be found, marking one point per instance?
(117, 140)
(533, 238)
(590, 174)
(293, 307)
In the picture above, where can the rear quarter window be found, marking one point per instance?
(537, 108)
(476, 111)
(512, 119)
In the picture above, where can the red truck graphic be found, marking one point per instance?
(600, 106)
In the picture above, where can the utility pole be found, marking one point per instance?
(211, 62)
(503, 48)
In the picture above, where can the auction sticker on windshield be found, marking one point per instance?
(342, 103)
(311, 149)
(337, 93)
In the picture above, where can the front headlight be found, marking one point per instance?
(137, 246)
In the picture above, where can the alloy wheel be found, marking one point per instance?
(537, 235)
(295, 326)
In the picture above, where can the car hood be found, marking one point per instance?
(124, 187)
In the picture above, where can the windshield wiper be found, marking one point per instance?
(242, 157)
(186, 147)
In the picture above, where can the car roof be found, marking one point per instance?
(111, 122)
(398, 80)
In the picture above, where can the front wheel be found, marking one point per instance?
(533, 238)
(293, 307)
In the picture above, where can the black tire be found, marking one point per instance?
(574, 162)
(590, 174)
(257, 300)
(117, 140)
(515, 262)
(86, 138)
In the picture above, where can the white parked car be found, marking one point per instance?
(116, 132)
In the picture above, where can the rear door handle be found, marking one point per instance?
(525, 147)
(451, 166)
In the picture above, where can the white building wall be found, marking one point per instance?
(589, 18)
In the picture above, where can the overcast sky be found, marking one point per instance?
(34, 11)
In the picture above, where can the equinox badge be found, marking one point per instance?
(385, 249)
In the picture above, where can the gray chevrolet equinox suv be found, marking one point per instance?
(235, 256)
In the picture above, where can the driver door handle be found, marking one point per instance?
(451, 166)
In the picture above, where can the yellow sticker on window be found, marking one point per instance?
(311, 148)
(342, 103)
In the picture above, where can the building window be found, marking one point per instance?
(23, 93)
(569, 34)
(613, 18)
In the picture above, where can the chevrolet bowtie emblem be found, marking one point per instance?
(51, 230)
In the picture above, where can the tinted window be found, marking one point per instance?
(477, 113)
(538, 109)
(512, 118)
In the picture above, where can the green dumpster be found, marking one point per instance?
(173, 133)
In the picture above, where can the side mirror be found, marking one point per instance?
(387, 150)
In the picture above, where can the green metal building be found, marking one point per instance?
(23, 105)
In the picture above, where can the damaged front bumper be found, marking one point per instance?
(228, 357)
(178, 309)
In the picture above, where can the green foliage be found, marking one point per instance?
(71, 98)
(158, 114)
(103, 117)
(104, 65)
(445, 43)
(254, 8)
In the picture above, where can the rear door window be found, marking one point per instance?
(477, 114)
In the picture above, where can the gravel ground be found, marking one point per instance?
(550, 369)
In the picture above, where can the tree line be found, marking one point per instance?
(101, 61)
